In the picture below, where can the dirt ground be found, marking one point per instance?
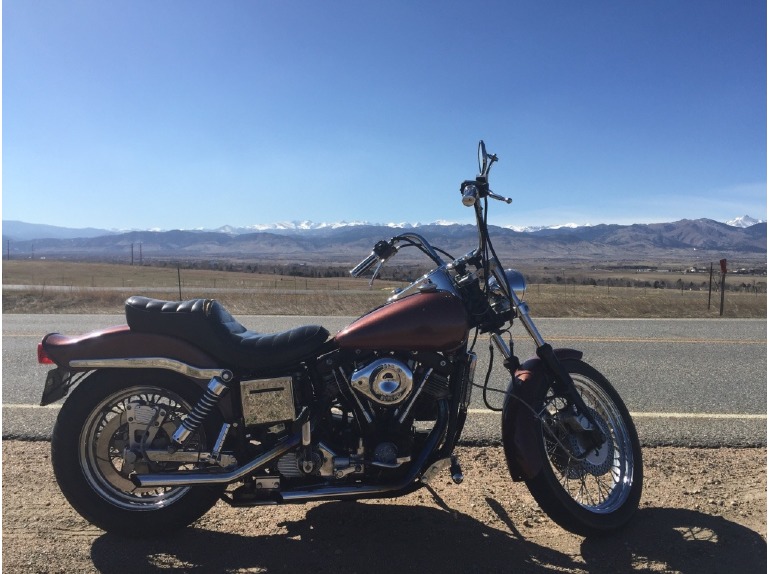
(703, 510)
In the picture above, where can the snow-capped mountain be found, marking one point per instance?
(744, 221)
(305, 225)
(533, 228)
(345, 242)
(21, 231)
(308, 225)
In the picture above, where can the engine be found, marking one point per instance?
(385, 381)
(380, 410)
(392, 391)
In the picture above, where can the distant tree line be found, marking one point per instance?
(679, 284)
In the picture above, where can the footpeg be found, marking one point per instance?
(455, 470)
(434, 470)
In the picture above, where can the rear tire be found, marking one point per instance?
(601, 492)
(92, 433)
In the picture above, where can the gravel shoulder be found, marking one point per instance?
(702, 510)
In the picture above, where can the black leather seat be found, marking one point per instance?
(208, 325)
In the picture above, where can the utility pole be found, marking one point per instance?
(711, 282)
(723, 265)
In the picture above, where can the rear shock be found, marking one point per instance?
(206, 404)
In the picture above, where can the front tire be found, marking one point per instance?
(592, 493)
(92, 437)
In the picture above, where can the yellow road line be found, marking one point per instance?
(570, 338)
(638, 340)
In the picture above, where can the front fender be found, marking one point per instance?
(520, 426)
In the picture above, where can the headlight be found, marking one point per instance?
(515, 280)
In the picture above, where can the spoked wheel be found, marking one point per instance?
(98, 441)
(584, 488)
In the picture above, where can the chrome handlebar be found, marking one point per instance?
(365, 265)
(384, 250)
(471, 190)
(500, 197)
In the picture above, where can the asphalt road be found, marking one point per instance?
(687, 382)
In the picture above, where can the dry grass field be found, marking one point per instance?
(69, 287)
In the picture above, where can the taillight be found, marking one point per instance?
(42, 357)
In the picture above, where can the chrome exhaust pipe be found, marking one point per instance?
(330, 492)
(201, 478)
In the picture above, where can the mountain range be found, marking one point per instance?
(22, 231)
(348, 242)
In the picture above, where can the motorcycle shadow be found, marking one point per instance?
(380, 538)
(677, 540)
(345, 537)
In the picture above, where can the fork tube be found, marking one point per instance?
(501, 346)
(526, 320)
(306, 434)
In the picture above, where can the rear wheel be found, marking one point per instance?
(587, 490)
(98, 440)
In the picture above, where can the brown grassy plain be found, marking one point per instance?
(69, 287)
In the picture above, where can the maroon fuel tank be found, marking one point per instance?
(422, 322)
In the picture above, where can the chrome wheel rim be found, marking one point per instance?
(601, 480)
(104, 439)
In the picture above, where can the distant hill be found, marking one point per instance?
(21, 231)
(683, 240)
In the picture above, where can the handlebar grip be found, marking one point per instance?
(365, 265)
(470, 195)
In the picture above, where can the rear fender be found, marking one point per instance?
(121, 344)
(121, 348)
(520, 427)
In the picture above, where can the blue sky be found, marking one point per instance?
(190, 114)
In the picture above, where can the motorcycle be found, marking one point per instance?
(184, 406)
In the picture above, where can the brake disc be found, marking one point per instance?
(597, 461)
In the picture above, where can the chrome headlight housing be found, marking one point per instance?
(515, 280)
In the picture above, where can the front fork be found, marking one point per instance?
(562, 380)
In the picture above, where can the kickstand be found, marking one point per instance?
(438, 499)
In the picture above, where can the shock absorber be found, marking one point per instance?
(205, 405)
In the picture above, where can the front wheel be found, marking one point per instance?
(585, 490)
(102, 430)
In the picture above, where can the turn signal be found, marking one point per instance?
(42, 357)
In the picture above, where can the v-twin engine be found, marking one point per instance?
(384, 381)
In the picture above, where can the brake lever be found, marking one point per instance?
(376, 272)
(386, 251)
